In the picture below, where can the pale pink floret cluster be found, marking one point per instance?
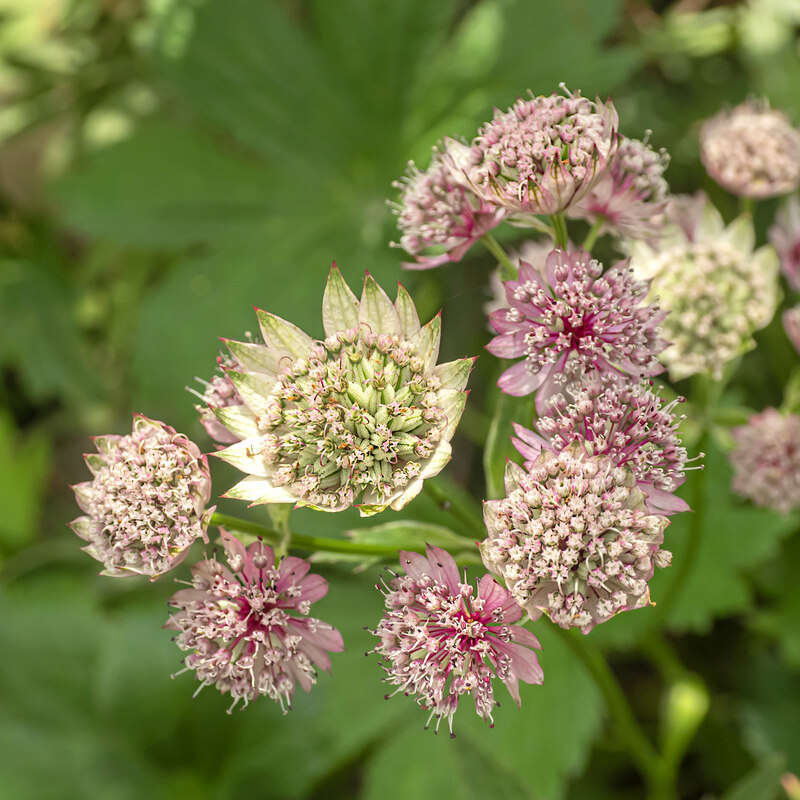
(791, 324)
(544, 153)
(623, 419)
(752, 151)
(438, 215)
(573, 538)
(146, 504)
(766, 460)
(630, 197)
(220, 392)
(440, 640)
(785, 238)
(246, 626)
(572, 320)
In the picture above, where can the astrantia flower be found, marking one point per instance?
(630, 197)
(247, 628)
(717, 290)
(365, 415)
(573, 538)
(791, 324)
(544, 153)
(572, 320)
(438, 214)
(220, 392)
(146, 504)
(752, 151)
(785, 237)
(766, 460)
(440, 641)
(623, 419)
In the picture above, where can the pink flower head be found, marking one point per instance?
(545, 153)
(247, 627)
(439, 641)
(630, 196)
(752, 151)
(573, 538)
(622, 419)
(766, 460)
(220, 392)
(791, 324)
(146, 503)
(785, 238)
(572, 320)
(439, 215)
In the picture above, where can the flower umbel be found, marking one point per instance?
(220, 392)
(630, 197)
(572, 320)
(785, 238)
(623, 419)
(247, 627)
(766, 460)
(364, 415)
(438, 214)
(145, 505)
(573, 538)
(544, 153)
(752, 151)
(717, 290)
(441, 641)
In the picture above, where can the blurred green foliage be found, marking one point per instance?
(167, 164)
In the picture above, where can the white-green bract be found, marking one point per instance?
(362, 417)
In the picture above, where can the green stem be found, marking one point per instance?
(303, 542)
(747, 205)
(559, 230)
(642, 752)
(594, 232)
(453, 506)
(508, 271)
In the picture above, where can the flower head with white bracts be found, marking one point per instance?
(440, 640)
(543, 153)
(146, 503)
(363, 417)
(623, 419)
(246, 626)
(438, 214)
(629, 199)
(573, 538)
(752, 151)
(572, 320)
(766, 460)
(785, 238)
(717, 289)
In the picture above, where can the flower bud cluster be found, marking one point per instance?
(630, 197)
(438, 215)
(623, 419)
(146, 504)
(246, 626)
(752, 151)
(440, 640)
(766, 460)
(573, 538)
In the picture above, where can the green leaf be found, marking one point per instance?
(762, 783)
(24, 465)
(498, 448)
(538, 747)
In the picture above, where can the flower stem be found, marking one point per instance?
(559, 230)
(642, 752)
(594, 232)
(458, 509)
(508, 272)
(303, 542)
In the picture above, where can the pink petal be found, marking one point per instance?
(508, 345)
(313, 588)
(660, 501)
(524, 662)
(519, 380)
(443, 567)
(415, 565)
(292, 570)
